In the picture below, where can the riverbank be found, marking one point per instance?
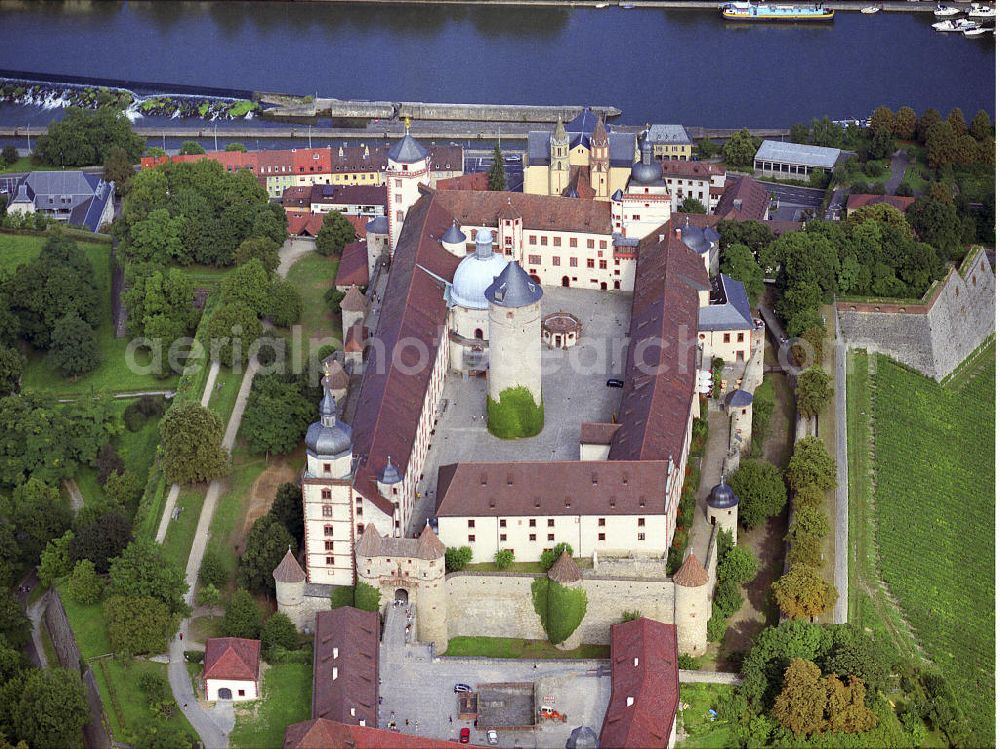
(900, 6)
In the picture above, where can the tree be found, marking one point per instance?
(118, 168)
(85, 587)
(9, 155)
(102, 540)
(366, 597)
(981, 128)
(808, 347)
(285, 308)
(503, 559)
(144, 570)
(548, 558)
(761, 491)
(692, 205)
(708, 149)
(930, 117)
(498, 176)
(236, 147)
(11, 369)
(809, 521)
(882, 121)
(160, 304)
(739, 263)
(333, 297)
(263, 249)
(230, 331)
(39, 514)
(108, 462)
(857, 653)
(191, 438)
(52, 709)
(266, 544)
(213, 569)
(800, 706)
(813, 391)
(754, 234)
(335, 232)
(457, 557)
(124, 489)
(956, 118)
(277, 415)
(191, 148)
(904, 125)
(845, 706)
(279, 632)
(86, 138)
(811, 465)
(739, 565)
(160, 735)
(560, 608)
(802, 593)
(137, 624)
(942, 145)
(249, 284)
(74, 346)
(242, 617)
(937, 223)
(287, 508)
(740, 150)
(56, 562)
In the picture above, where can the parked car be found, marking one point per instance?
(614, 382)
(492, 738)
(462, 688)
(463, 736)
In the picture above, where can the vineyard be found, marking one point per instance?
(934, 495)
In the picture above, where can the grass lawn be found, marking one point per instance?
(313, 276)
(932, 513)
(180, 532)
(230, 510)
(223, 397)
(204, 627)
(702, 732)
(112, 374)
(287, 698)
(512, 647)
(23, 164)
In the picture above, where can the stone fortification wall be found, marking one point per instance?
(935, 335)
(500, 605)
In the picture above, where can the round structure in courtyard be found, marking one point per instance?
(561, 330)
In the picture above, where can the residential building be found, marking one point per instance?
(670, 142)
(353, 200)
(744, 199)
(725, 323)
(694, 179)
(80, 199)
(231, 669)
(793, 160)
(900, 202)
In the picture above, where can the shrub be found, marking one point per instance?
(631, 616)
(724, 544)
(108, 462)
(728, 598)
(504, 558)
(549, 557)
(85, 587)
(208, 595)
(342, 595)
(333, 298)
(278, 632)
(809, 496)
(213, 569)
(688, 662)
(366, 597)
(515, 415)
(739, 565)
(457, 557)
(194, 656)
(561, 608)
(717, 625)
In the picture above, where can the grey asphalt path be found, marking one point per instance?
(898, 165)
(124, 396)
(213, 374)
(840, 524)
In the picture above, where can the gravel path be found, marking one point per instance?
(840, 524)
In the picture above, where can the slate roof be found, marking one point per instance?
(353, 267)
(233, 658)
(541, 212)
(673, 134)
(739, 399)
(513, 288)
(427, 546)
(660, 379)
(798, 153)
(621, 146)
(643, 669)
(85, 196)
(562, 487)
(354, 635)
(407, 150)
(744, 199)
(729, 308)
(378, 225)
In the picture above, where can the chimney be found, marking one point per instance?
(662, 237)
(677, 232)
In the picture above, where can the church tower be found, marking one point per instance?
(600, 159)
(558, 160)
(408, 167)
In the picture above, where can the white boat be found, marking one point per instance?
(954, 25)
(982, 11)
(944, 11)
(978, 31)
(601, 5)
(870, 10)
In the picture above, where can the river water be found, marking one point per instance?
(656, 65)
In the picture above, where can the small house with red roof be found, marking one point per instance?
(232, 669)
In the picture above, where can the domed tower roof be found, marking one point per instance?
(454, 235)
(329, 436)
(644, 171)
(739, 399)
(475, 274)
(513, 288)
(722, 496)
(691, 574)
(407, 150)
(390, 474)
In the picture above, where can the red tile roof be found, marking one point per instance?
(232, 658)
(328, 734)
(902, 202)
(643, 669)
(662, 363)
(353, 267)
(744, 199)
(347, 639)
(311, 161)
(597, 433)
(304, 224)
(692, 573)
(691, 169)
(537, 211)
(476, 181)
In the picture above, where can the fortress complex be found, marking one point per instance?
(469, 275)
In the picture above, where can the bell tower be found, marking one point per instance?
(558, 159)
(600, 159)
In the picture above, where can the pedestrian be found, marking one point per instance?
(407, 721)
(185, 705)
(181, 635)
(380, 699)
(449, 719)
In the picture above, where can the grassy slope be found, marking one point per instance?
(511, 647)
(232, 505)
(180, 532)
(287, 698)
(702, 731)
(112, 374)
(933, 468)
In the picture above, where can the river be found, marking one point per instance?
(673, 65)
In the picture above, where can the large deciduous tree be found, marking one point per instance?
(904, 124)
(264, 249)
(801, 593)
(102, 539)
(266, 544)
(811, 465)
(335, 232)
(740, 149)
(230, 332)
(144, 570)
(249, 284)
(242, 617)
(73, 348)
(191, 437)
(761, 491)
(137, 624)
(277, 415)
(87, 138)
(813, 391)
(51, 709)
(739, 263)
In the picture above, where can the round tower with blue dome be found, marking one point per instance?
(469, 310)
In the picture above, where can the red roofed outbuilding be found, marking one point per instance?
(232, 669)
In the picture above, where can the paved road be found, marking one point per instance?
(841, 525)
(898, 165)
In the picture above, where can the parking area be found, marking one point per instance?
(417, 692)
(513, 166)
(574, 390)
(793, 203)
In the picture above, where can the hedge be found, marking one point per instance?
(516, 415)
(560, 608)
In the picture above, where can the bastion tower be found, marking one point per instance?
(515, 315)
(692, 606)
(722, 507)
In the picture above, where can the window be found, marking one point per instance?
(532, 239)
(472, 523)
(642, 536)
(572, 241)
(328, 510)
(604, 244)
(590, 262)
(503, 536)
(572, 262)
(739, 338)
(590, 244)
(534, 259)
(241, 692)
(472, 538)
(503, 523)
(545, 241)
(551, 523)
(399, 198)
(642, 522)
(600, 536)
(604, 265)
(531, 536)
(555, 261)
(399, 183)
(531, 523)
(361, 528)
(601, 522)
(399, 215)
(552, 537)
(329, 561)
(327, 530)
(327, 493)
(328, 545)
